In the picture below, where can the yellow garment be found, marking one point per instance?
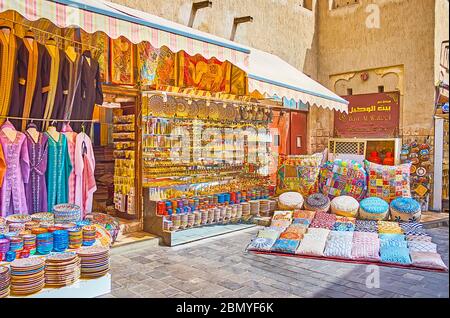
(8, 49)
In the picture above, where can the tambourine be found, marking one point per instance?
(413, 169)
(421, 171)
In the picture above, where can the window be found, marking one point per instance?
(380, 89)
(349, 91)
(308, 4)
(344, 3)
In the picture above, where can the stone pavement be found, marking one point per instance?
(220, 267)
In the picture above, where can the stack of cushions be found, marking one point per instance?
(323, 220)
(370, 226)
(394, 249)
(386, 227)
(388, 182)
(264, 240)
(340, 177)
(373, 208)
(405, 209)
(366, 246)
(345, 206)
(422, 251)
(344, 223)
(317, 202)
(303, 218)
(290, 201)
(313, 242)
(339, 245)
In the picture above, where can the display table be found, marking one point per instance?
(83, 288)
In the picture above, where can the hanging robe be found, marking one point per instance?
(8, 78)
(90, 92)
(58, 171)
(36, 188)
(2, 167)
(71, 140)
(59, 86)
(84, 172)
(33, 69)
(12, 193)
(74, 79)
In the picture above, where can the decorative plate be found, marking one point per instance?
(156, 105)
(61, 257)
(18, 218)
(92, 251)
(214, 112)
(421, 171)
(413, 169)
(193, 109)
(202, 109)
(25, 263)
(182, 107)
(170, 106)
(103, 236)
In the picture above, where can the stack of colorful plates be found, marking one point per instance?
(18, 218)
(254, 207)
(46, 224)
(44, 243)
(5, 280)
(43, 217)
(67, 213)
(16, 227)
(60, 240)
(16, 244)
(27, 275)
(94, 261)
(89, 232)
(264, 207)
(245, 208)
(54, 228)
(65, 226)
(29, 226)
(4, 247)
(3, 228)
(29, 243)
(62, 269)
(110, 223)
(75, 237)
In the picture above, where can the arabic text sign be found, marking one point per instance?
(369, 116)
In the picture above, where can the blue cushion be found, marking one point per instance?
(374, 205)
(285, 245)
(396, 255)
(406, 205)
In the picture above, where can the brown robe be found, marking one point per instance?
(8, 76)
(33, 69)
(89, 92)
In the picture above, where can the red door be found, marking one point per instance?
(297, 132)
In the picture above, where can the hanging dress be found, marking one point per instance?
(36, 188)
(12, 193)
(84, 171)
(71, 139)
(2, 166)
(58, 171)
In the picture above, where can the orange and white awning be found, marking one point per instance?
(116, 20)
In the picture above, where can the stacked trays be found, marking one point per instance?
(16, 244)
(44, 243)
(62, 269)
(60, 240)
(27, 275)
(29, 243)
(5, 280)
(67, 213)
(4, 248)
(16, 227)
(264, 207)
(94, 261)
(75, 237)
(89, 233)
(46, 217)
(29, 226)
(245, 211)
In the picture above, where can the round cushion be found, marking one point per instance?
(290, 201)
(317, 202)
(345, 206)
(373, 208)
(405, 209)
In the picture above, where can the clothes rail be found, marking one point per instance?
(56, 120)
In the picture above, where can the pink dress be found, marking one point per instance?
(12, 193)
(71, 139)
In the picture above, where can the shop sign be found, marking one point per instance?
(369, 116)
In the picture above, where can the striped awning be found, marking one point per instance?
(116, 20)
(273, 77)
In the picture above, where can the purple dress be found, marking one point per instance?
(12, 193)
(36, 188)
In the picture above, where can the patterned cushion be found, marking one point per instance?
(282, 215)
(339, 244)
(303, 214)
(393, 243)
(268, 233)
(366, 226)
(285, 245)
(304, 222)
(290, 201)
(296, 229)
(389, 227)
(392, 237)
(373, 208)
(405, 209)
(366, 251)
(318, 232)
(312, 245)
(388, 182)
(282, 224)
(307, 169)
(420, 238)
(365, 237)
(261, 244)
(345, 206)
(428, 260)
(340, 177)
(396, 255)
(323, 220)
(417, 246)
(344, 226)
(412, 228)
(317, 202)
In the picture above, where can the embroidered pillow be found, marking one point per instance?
(268, 233)
(366, 251)
(365, 237)
(421, 238)
(301, 222)
(366, 226)
(388, 182)
(291, 236)
(261, 244)
(303, 214)
(340, 177)
(339, 245)
(428, 260)
(389, 227)
(412, 228)
(285, 246)
(282, 215)
(312, 245)
(395, 255)
(343, 226)
(417, 246)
